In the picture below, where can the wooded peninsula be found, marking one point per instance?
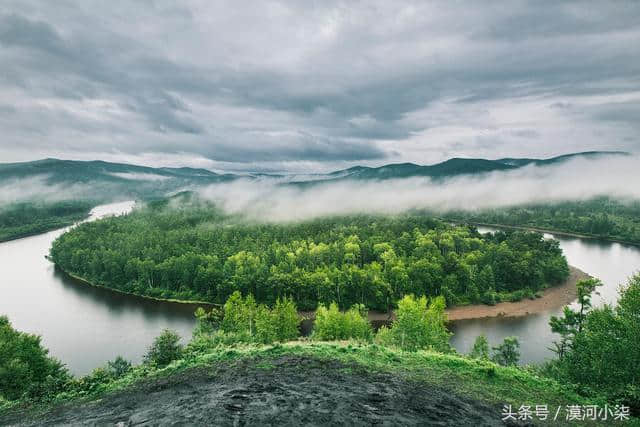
(196, 252)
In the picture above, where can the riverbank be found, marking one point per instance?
(83, 281)
(547, 230)
(552, 298)
(10, 236)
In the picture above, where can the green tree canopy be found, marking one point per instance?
(25, 366)
(195, 252)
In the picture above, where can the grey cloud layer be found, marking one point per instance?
(280, 84)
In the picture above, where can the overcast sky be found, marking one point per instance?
(315, 86)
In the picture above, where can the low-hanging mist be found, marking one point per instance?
(578, 179)
(36, 188)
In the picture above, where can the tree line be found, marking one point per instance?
(28, 373)
(26, 218)
(598, 353)
(600, 217)
(198, 253)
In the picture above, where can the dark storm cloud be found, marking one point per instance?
(624, 112)
(77, 69)
(548, 19)
(322, 83)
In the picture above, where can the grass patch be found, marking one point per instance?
(475, 379)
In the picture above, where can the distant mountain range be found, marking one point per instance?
(459, 166)
(99, 180)
(86, 171)
(104, 180)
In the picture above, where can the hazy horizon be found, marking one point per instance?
(271, 199)
(171, 165)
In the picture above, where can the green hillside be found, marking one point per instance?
(312, 381)
(142, 180)
(455, 167)
(104, 181)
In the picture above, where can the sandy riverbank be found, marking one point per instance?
(552, 298)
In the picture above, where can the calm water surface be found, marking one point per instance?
(81, 325)
(613, 263)
(85, 326)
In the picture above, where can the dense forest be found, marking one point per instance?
(192, 251)
(27, 218)
(600, 217)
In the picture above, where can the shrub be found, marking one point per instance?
(201, 344)
(332, 324)
(251, 322)
(489, 370)
(239, 314)
(507, 353)
(265, 329)
(450, 297)
(207, 321)
(357, 323)
(25, 367)
(489, 297)
(516, 296)
(521, 294)
(165, 349)
(93, 382)
(118, 367)
(480, 348)
(328, 324)
(384, 336)
(278, 324)
(419, 326)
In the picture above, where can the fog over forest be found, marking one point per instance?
(36, 187)
(577, 179)
(277, 198)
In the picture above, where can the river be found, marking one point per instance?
(86, 326)
(613, 263)
(83, 326)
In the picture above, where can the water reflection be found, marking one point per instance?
(83, 326)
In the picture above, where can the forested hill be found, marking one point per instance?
(42, 186)
(451, 167)
(102, 180)
(459, 166)
(194, 252)
(25, 219)
(66, 170)
(108, 179)
(560, 159)
(601, 217)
